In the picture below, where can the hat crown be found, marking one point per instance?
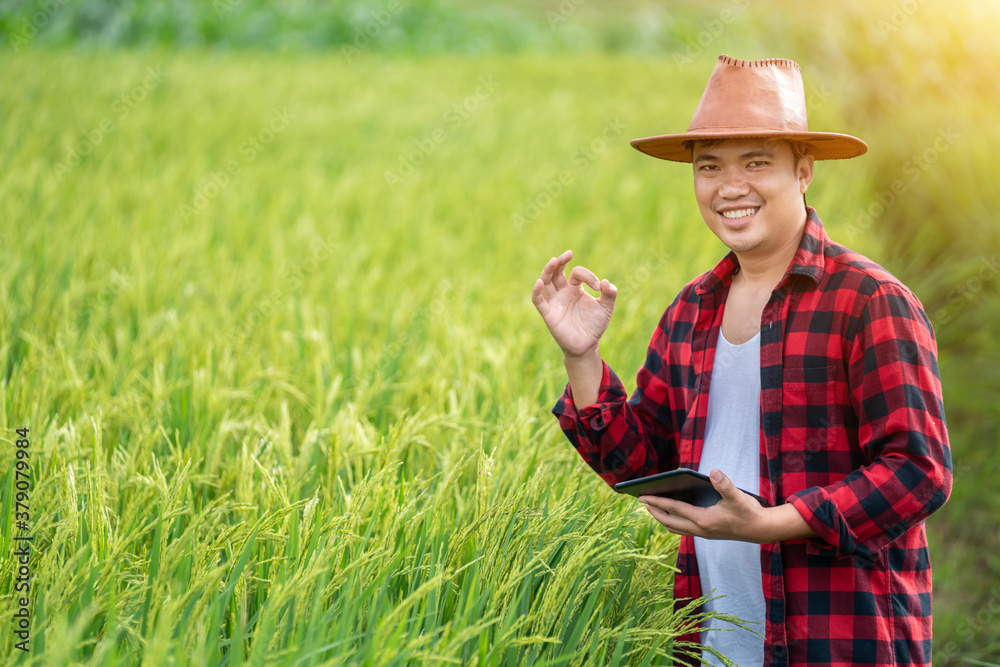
(765, 95)
(752, 99)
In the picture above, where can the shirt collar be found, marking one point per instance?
(808, 260)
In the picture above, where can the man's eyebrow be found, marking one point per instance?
(759, 152)
(706, 157)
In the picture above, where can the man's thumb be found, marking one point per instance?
(722, 484)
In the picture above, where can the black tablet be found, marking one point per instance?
(684, 484)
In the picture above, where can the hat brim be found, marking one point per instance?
(822, 145)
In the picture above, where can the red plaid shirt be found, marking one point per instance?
(852, 433)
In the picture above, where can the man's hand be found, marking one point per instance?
(575, 319)
(736, 517)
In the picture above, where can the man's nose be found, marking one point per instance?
(734, 184)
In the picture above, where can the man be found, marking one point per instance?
(796, 369)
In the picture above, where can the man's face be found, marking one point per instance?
(750, 192)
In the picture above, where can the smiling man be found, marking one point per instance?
(796, 369)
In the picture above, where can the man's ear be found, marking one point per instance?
(804, 171)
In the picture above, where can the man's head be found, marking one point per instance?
(752, 152)
(750, 190)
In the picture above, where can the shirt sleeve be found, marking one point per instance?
(624, 439)
(895, 389)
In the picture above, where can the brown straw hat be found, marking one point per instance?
(752, 98)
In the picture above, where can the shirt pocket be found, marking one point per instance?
(815, 449)
(807, 394)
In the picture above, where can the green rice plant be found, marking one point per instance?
(296, 413)
(306, 423)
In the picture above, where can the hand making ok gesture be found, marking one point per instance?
(575, 319)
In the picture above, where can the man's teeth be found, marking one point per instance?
(742, 213)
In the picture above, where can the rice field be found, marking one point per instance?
(267, 321)
(285, 409)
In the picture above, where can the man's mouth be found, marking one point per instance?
(739, 215)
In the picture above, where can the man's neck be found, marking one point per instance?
(765, 270)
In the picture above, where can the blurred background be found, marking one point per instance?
(257, 254)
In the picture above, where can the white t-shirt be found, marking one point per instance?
(732, 568)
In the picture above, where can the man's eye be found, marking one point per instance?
(758, 163)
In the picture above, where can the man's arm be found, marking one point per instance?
(584, 374)
(895, 389)
(617, 439)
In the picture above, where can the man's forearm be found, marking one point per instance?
(584, 374)
(784, 523)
